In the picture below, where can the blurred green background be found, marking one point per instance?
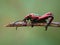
(13, 10)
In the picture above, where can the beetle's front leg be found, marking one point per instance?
(32, 23)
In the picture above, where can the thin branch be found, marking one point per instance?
(21, 24)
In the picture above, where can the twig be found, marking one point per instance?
(21, 24)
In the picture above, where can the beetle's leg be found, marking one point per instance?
(15, 22)
(51, 19)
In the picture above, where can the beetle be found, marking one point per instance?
(38, 19)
